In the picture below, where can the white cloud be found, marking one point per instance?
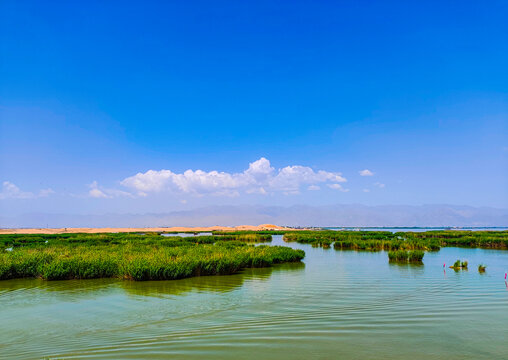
(260, 168)
(313, 188)
(379, 185)
(11, 191)
(337, 187)
(45, 192)
(290, 178)
(259, 178)
(366, 190)
(366, 172)
(97, 192)
(260, 190)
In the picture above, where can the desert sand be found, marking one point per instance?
(149, 229)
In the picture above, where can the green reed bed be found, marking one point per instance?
(145, 258)
(384, 240)
(473, 239)
(30, 240)
(247, 237)
(360, 240)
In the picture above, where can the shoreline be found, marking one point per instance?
(141, 229)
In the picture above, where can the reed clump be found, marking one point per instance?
(459, 265)
(398, 255)
(402, 256)
(415, 256)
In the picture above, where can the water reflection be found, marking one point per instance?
(84, 288)
(407, 268)
(219, 284)
(69, 286)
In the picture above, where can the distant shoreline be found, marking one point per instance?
(141, 229)
(262, 227)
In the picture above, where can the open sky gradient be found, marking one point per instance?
(152, 106)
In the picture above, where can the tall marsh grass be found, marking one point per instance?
(415, 256)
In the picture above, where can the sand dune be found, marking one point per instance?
(150, 229)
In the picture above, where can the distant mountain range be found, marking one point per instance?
(298, 215)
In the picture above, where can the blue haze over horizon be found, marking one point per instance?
(105, 106)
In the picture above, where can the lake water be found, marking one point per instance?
(188, 234)
(337, 304)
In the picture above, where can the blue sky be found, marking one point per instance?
(310, 93)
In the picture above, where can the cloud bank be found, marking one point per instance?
(259, 178)
(11, 191)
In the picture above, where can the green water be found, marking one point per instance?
(336, 305)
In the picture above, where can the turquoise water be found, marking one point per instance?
(337, 304)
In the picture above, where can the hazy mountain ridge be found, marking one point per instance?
(297, 215)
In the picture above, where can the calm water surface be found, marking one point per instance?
(337, 304)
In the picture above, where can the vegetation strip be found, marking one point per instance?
(385, 240)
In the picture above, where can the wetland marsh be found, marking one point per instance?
(344, 304)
